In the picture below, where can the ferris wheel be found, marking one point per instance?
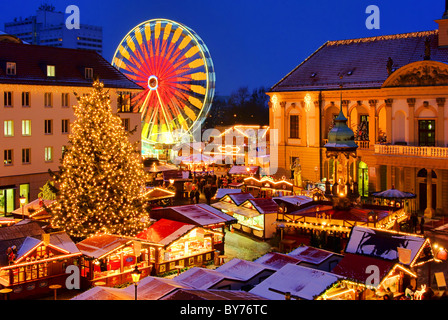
(173, 66)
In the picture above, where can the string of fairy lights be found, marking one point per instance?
(102, 181)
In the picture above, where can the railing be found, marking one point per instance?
(361, 143)
(415, 151)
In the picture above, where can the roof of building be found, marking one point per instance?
(154, 288)
(354, 267)
(294, 200)
(104, 293)
(203, 278)
(383, 244)
(32, 60)
(362, 62)
(276, 260)
(221, 192)
(198, 214)
(243, 269)
(101, 244)
(262, 205)
(302, 282)
(165, 231)
(195, 294)
(311, 254)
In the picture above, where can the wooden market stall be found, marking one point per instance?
(201, 215)
(178, 244)
(111, 259)
(33, 260)
(38, 209)
(255, 216)
(268, 187)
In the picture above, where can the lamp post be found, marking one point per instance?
(136, 278)
(22, 200)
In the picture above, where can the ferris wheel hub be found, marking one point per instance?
(153, 82)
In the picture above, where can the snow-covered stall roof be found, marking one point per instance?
(154, 288)
(104, 293)
(202, 278)
(242, 269)
(382, 243)
(165, 231)
(311, 255)
(221, 192)
(276, 260)
(302, 282)
(195, 294)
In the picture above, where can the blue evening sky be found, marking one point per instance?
(252, 42)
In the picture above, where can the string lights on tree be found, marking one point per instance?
(101, 183)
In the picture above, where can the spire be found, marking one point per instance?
(445, 14)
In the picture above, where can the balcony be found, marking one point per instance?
(362, 144)
(412, 151)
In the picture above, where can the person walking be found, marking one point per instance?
(197, 195)
(422, 227)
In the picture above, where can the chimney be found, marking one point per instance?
(443, 27)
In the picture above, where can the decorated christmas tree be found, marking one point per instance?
(101, 180)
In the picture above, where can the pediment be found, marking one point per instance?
(418, 74)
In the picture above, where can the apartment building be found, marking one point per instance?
(37, 94)
(393, 91)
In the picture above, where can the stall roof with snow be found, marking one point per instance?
(165, 231)
(104, 293)
(311, 255)
(301, 282)
(221, 192)
(195, 294)
(203, 278)
(198, 214)
(99, 245)
(388, 245)
(243, 269)
(276, 260)
(154, 288)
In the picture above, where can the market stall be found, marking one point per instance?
(268, 187)
(178, 244)
(111, 259)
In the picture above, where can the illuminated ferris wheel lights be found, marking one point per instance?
(153, 82)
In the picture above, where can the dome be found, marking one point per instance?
(341, 137)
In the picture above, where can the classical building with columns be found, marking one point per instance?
(393, 90)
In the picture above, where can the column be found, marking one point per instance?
(411, 124)
(440, 126)
(373, 120)
(389, 119)
(429, 211)
(345, 104)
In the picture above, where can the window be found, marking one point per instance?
(88, 73)
(26, 156)
(48, 99)
(11, 68)
(7, 157)
(8, 128)
(65, 125)
(48, 154)
(51, 71)
(126, 123)
(65, 99)
(7, 98)
(26, 127)
(48, 127)
(427, 133)
(294, 126)
(25, 99)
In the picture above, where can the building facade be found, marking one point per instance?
(48, 28)
(37, 90)
(393, 91)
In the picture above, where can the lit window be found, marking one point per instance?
(8, 128)
(26, 127)
(7, 157)
(11, 68)
(51, 71)
(126, 123)
(294, 127)
(48, 154)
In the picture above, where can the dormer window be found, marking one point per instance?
(51, 71)
(11, 68)
(88, 73)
